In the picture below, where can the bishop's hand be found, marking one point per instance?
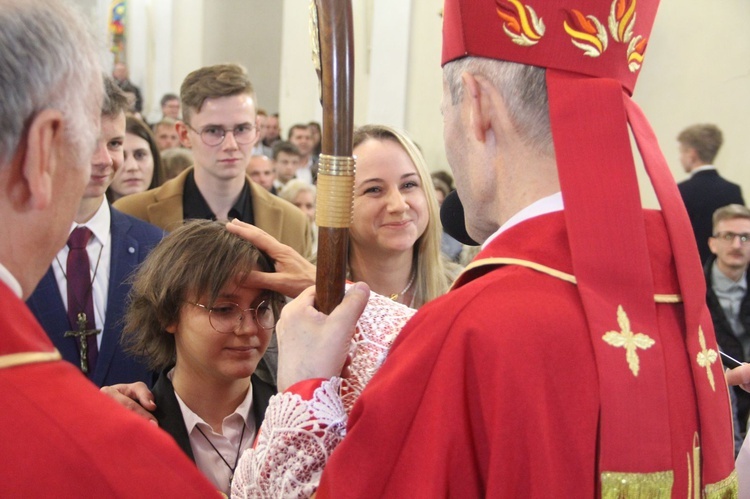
(293, 272)
(315, 345)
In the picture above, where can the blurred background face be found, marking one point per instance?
(390, 206)
(108, 155)
(171, 109)
(137, 170)
(314, 134)
(262, 126)
(286, 166)
(302, 138)
(120, 72)
(305, 201)
(272, 128)
(261, 171)
(166, 137)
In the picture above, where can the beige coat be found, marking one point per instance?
(162, 206)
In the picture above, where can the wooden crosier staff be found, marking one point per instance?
(333, 52)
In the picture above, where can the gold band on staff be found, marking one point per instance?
(335, 191)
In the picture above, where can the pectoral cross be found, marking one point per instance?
(82, 335)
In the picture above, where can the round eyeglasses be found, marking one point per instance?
(227, 317)
(213, 135)
(731, 236)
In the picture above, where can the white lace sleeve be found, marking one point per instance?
(297, 436)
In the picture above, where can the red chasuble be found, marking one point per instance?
(492, 390)
(62, 438)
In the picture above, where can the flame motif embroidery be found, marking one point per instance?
(587, 33)
(521, 23)
(636, 49)
(621, 20)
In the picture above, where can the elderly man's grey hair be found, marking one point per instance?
(523, 88)
(48, 60)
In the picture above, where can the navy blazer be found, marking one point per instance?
(704, 193)
(169, 414)
(132, 240)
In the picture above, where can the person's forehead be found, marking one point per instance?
(231, 110)
(165, 129)
(260, 166)
(739, 225)
(113, 125)
(285, 156)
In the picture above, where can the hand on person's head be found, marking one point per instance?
(315, 345)
(133, 396)
(293, 272)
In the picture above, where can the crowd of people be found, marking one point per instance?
(168, 276)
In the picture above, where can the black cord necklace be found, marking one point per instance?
(236, 459)
(91, 284)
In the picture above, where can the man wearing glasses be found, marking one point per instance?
(726, 295)
(219, 125)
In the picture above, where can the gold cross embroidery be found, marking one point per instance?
(706, 357)
(627, 339)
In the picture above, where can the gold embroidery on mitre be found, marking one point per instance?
(586, 33)
(621, 20)
(520, 22)
(623, 485)
(706, 357)
(628, 340)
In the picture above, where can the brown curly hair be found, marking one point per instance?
(197, 259)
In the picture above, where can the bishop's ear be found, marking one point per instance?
(479, 99)
(35, 161)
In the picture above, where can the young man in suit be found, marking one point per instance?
(705, 191)
(116, 245)
(59, 436)
(219, 125)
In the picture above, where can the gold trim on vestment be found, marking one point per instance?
(558, 274)
(23, 358)
(726, 488)
(642, 485)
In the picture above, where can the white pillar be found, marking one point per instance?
(389, 62)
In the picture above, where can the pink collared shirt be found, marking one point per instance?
(206, 458)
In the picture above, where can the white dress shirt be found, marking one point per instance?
(99, 249)
(703, 168)
(305, 172)
(549, 204)
(10, 281)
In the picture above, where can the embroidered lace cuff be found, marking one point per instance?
(298, 435)
(296, 438)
